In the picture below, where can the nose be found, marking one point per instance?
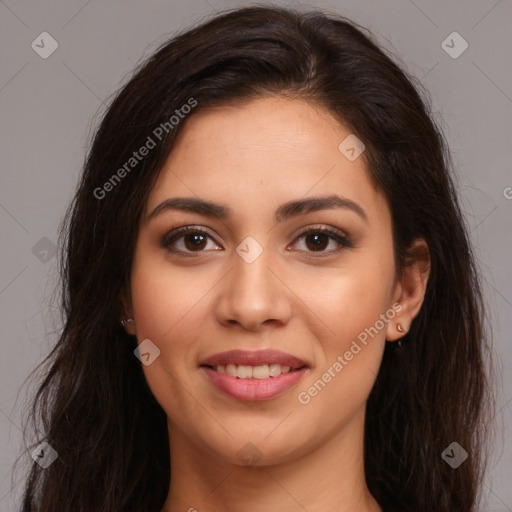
(254, 295)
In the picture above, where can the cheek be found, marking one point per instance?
(162, 295)
(352, 298)
(352, 350)
(163, 301)
(170, 305)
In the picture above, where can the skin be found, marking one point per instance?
(253, 158)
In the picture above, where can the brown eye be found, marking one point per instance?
(317, 240)
(194, 241)
(186, 240)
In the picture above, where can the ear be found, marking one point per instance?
(409, 290)
(127, 312)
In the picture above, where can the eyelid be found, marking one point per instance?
(320, 227)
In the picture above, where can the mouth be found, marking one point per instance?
(257, 375)
(260, 364)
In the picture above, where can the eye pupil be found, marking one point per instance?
(198, 238)
(318, 243)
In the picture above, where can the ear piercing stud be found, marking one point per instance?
(399, 328)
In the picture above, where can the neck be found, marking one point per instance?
(329, 478)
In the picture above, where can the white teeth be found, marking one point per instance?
(231, 370)
(243, 371)
(261, 372)
(277, 369)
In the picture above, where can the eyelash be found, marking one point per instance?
(172, 236)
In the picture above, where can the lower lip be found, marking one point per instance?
(254, 389)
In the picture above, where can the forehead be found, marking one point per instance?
(263, 152)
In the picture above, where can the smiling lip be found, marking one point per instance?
(254, 358)
(254, 389)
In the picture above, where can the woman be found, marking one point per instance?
(270, 296)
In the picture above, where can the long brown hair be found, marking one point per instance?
(94, 403)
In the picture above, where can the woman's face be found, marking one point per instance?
(253, 283)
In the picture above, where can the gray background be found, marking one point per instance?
(49, 108)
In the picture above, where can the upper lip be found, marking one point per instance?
(253, 358)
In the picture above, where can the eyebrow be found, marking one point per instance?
(283, 212)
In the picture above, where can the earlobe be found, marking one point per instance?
(411, 289)
(126, 320)
(129, 325)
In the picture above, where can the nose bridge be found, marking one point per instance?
(252, 279)
(253, 294)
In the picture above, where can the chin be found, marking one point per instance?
(258, 446)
